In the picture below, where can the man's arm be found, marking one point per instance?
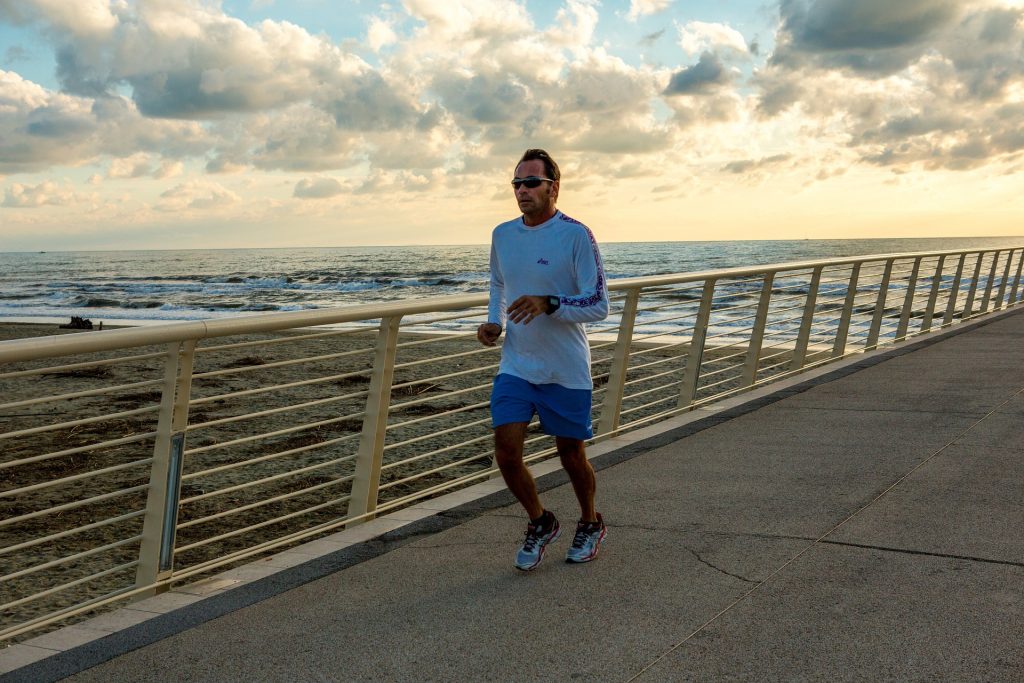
(489, 332)
(591, 303)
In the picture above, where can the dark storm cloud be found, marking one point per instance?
(79, 76)
(178, 95)
(834, 25)
(876, 37)
(704, 76)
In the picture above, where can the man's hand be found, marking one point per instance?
(488, 333)
(526, 308)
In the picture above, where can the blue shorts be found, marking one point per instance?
(563, 412)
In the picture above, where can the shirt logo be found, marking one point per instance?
(542, 261)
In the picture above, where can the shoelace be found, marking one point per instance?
(532, 538)
(583, 533)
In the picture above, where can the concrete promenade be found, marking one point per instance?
(863, 523)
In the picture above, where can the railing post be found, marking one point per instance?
(973, 290)
(757, 334)
(612, 406)
(1016, 279)
(371, 443)
(991, 281)
(876, 319)
(1002, 285)
(843, 331)
(933, 296)
(803, 338)
(908, 301)
(954, 292)
(156, 552)
(696, 353)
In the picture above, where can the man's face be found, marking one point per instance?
(537, 200)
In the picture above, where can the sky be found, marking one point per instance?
(131, 124)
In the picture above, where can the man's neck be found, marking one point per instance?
(533, 220)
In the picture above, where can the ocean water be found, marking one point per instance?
(140, 287)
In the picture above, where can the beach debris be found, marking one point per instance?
(77, 323)
(92, 372)
(245, 361)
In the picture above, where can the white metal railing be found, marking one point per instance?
(133, 458)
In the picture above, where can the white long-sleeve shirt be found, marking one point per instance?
(558, 257)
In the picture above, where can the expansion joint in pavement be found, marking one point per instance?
(909, 551)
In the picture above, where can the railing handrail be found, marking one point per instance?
(742, 271)
(107, 340)
(147, 335)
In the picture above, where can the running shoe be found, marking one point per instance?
(586, 541)
(537, 538)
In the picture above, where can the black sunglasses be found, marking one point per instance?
(530, 181)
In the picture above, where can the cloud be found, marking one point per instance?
(834, 25)
(601, 86)
(15, 54)
(191, 61)
(193, 194)
(187, 81)
(169, 169)
(697, 37)
(917, 84)
(395, 182)
(95, 18)
(705, 76)
(651, 38)
(40, 128)
(318, 188)
(379, 34)
(744, 166)
(135, 166)
(870, 36)
(154, 88)
(643, 8)
(21, 196)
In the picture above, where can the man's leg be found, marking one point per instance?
(508, 451)
(581, 474)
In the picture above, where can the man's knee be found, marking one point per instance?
(571, 451)
(508, 443)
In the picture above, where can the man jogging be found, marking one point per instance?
(547, 280)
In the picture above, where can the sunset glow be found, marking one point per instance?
(253, 123)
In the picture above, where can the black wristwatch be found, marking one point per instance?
(553, 303)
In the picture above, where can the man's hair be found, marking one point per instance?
(550, 167)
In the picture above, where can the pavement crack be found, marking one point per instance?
(716, 567)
